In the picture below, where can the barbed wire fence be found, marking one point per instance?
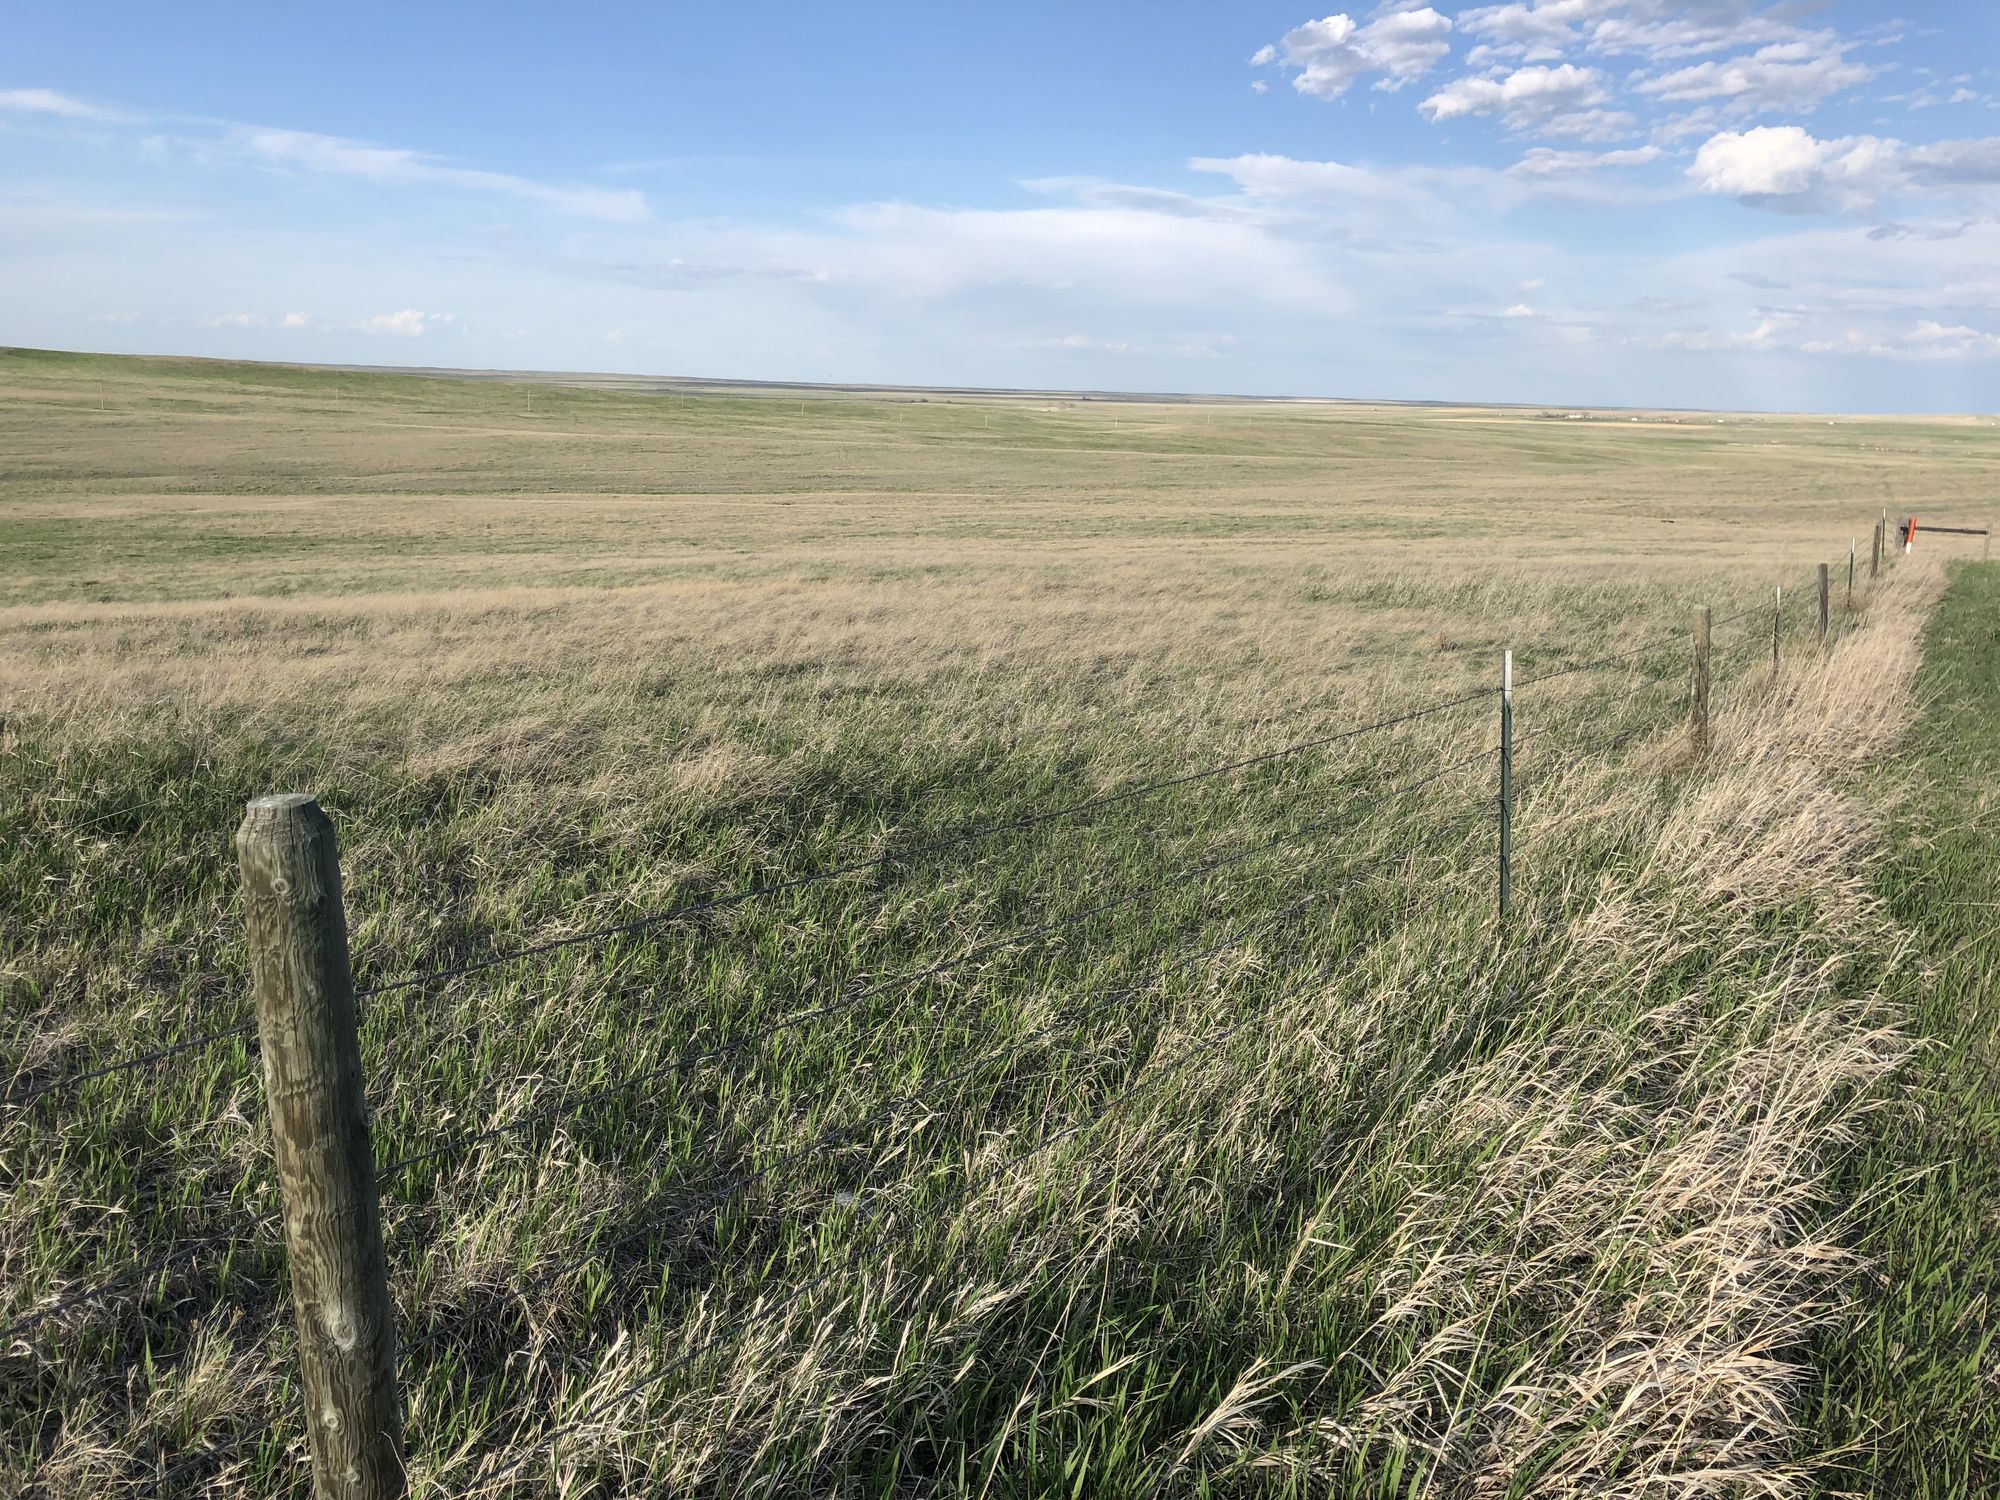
(331, 1180)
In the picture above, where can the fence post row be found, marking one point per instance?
(319, 1134)
(1506, 783)
(1698, 708)
(304, 994)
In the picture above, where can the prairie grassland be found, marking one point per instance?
(1088, 1174)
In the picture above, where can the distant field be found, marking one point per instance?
(1361, 1195)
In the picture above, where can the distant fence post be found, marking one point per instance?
(1777, 621)
(319, 1134)
(1822, 607)
(1698, 707)
(1506, 783)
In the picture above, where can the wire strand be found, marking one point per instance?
(561, 1108)
(797, 882)
(127, 1064)
(683, 1210)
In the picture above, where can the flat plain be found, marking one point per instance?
(1213, 1138)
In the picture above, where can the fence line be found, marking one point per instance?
(248, 1027)
(670, 1208)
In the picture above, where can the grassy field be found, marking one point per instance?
(1212, 1140)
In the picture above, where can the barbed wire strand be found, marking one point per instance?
(560, 1108)
(902, 856)
(791, 883)
(683, 1210)
(125, 1065)
(1657, 643)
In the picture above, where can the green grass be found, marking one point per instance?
(1912, 1388)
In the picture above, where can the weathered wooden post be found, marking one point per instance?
(1853, 546)
(1777, 621)
(1822, 607)
(1506, 783)
(1875, 557)
(1698, 708)
(319, 1135)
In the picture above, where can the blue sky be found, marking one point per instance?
(1716, 203)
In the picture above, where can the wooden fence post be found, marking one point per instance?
(1822, 607)
(1777, 620)
(1853, 546)
(1698, 709)
(319, 1134)
(1875, 557)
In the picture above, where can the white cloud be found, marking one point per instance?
(1078, 343)
(1543, 30)
(1364, 207)
(1562, 101)
(1659, 30)
(409, 323)
(1768, 161)
(304, 151)
(1967, 163)
(62, 106)
(1664, 31)
(1797, 332)
(1268, 175)
(1333, 53)
(1519, 310)
(1795, 75)
(1931, 339)
(1543, 162)
(1789, 165)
